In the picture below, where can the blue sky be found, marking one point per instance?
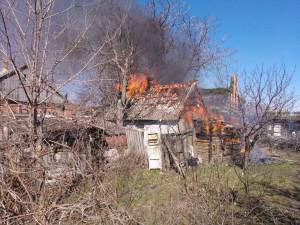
(260, 31)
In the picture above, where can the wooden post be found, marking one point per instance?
(210, 147)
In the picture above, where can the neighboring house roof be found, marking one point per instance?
(11, 88)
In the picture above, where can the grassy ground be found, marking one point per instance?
(273, 198)
(280, 185)
(211, 194)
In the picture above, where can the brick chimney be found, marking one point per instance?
(233, 91)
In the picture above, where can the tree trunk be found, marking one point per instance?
(120, 113)
(33, 124)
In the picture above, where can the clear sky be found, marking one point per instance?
(260, 31)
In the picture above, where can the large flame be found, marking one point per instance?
(211, 123)
(195, 112)
(137, 85)
(140, 86)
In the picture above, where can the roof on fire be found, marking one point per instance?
(166, 103)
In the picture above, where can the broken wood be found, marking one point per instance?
(168, 147)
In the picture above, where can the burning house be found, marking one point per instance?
(172, 126)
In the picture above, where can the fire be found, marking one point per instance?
(242, 151)
(211, 123)
(217, 126)
(137, 85)
(117, 86)
(194, 112)
(140, 86)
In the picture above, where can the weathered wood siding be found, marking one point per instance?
(208, 150)
(135, 140)
(180, 147)
(12, 88)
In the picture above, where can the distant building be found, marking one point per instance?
(285, 126)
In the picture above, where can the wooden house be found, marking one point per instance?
(172, 126)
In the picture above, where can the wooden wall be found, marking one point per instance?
(11, 87)
(135, 141)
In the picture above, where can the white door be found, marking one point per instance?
(154, 151)
(154, 156)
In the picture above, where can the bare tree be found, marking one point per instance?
(35, 44)
(263, 96)
(159, 39)
(33, 35)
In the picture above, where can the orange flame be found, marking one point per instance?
(194, 112)
(137, 85)
(217, 126)
(211, 123)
